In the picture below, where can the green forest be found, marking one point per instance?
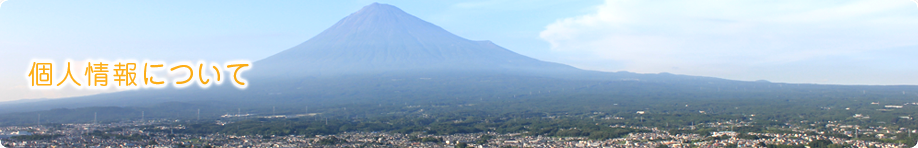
(532, 106)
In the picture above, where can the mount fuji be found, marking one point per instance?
(383, 38)
(382, 55)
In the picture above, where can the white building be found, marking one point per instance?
(893, 106)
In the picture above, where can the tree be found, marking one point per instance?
(462, 145)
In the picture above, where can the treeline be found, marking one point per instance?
(305, 126)
(673, 100)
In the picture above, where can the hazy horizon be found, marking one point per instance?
(838, 42)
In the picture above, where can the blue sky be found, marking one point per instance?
(870, 42)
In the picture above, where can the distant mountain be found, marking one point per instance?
(381, 56)
(383, 38)
(370, 47)
(366, 56)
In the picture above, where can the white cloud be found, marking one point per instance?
(1, 2)
(723, 37)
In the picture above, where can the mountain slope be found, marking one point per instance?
(381, 38)
(380, 55)
(364, 56)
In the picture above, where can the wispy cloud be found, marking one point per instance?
(714, 37)
(1, 2)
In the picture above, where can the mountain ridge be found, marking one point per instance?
(380, 54)
(357, 56)
(382, 37)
